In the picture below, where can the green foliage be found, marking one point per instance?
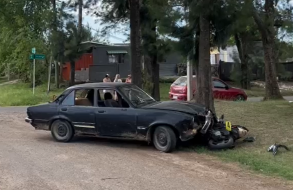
(73, 47)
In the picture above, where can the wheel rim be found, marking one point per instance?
(62, 130)
(162, 138)
(239, 98)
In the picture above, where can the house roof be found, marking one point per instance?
(117, 52)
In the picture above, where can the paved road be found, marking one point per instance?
(31, 160)
(258, 99)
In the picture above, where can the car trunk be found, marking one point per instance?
(178, 89)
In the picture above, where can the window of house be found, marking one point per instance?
(112, 58)
(121, 58)
(116, 58)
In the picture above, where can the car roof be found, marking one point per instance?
(194, 76)
(100, 85)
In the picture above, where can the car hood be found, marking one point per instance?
(186, 107)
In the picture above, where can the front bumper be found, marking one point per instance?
(28, 120)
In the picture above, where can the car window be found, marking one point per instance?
(218, 84)
(69, 100)
(111, 98)
(80, 97)
(136, 96)
(84, 97)
(181, 81)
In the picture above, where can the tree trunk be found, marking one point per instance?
(72, 73)
(268, 35)
(204, 93)
(80, 4)
(55, 37)
(155, 78)
(242, 46)
(135, 39)
(56, 74)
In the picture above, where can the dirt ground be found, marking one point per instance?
(32, 160)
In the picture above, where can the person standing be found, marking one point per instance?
(128, 79)
(107, 78)
(117, 78)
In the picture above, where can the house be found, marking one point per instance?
(112, 59)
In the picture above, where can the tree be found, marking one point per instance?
(154, 48)
(266, 26)
(135, 39)
(204, 93)
(125, 11)
(73, 48)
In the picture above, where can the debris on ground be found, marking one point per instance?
(274, 148)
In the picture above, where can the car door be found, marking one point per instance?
(115, 121)
(82, 117)
(220, 89)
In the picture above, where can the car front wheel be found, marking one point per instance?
(164, 139)
(62, 131)
(239, 98)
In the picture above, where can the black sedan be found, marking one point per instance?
(124, 111)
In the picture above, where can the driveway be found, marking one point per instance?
(32, 160)
(258, 99)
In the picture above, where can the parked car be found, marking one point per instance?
(124, 111)
(221, 90)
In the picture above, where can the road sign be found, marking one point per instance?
(37, 56)
(34, 50)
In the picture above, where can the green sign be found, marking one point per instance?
(37, 56)
(34, 50)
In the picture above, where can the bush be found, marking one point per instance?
(167, 80)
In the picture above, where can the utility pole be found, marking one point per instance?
(189, 68)
(34, 69)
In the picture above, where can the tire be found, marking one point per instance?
(226, 144)
(164, 139)
(62, 131)
(239, 98)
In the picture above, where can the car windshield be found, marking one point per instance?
(181, 81)
(136, 96)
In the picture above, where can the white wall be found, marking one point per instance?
(229, 54)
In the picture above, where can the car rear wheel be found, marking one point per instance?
(164, 139)
(62, 131)
(239, 98)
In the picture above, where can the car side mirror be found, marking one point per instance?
(227, 87)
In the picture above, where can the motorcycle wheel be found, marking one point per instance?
(225, 144)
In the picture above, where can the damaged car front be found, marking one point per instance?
(195, 119)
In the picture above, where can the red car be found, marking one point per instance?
(178, 90)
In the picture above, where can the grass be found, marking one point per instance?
(164, 91)
(21, 94)
(269, 122)
(256, 91)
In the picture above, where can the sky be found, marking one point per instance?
(113, 36)
(96, 25)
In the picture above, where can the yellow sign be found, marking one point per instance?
(228, 126)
